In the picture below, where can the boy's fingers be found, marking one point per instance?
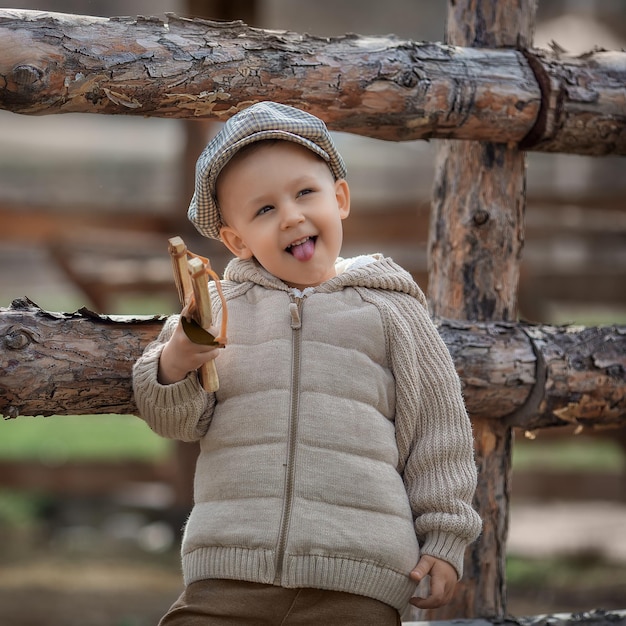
(422, 569)
(426, 603)
(439, 591)
(442, 583)
(437, 596)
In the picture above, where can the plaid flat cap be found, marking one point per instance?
(264, 120)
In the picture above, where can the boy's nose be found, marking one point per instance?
(291, 216)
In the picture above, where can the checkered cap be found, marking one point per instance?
(264, 120)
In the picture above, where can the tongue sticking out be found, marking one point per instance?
(304, 251)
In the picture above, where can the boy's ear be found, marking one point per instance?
(231, 239)
(342, 193)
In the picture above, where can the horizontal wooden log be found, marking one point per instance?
(56, 363)
(94, 477)
(597, 617)
(529, 376)
(380, 87)
(584, 101)
(82, 478)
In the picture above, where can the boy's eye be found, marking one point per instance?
(264, 209)
(304, 192)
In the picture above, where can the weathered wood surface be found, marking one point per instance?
(529, 376)
(575, 105)
(587, 618)
(475, 243)
(377, 86)
(380, 87)
(56, 363)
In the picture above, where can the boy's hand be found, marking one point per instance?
(181, 356)
(443, 579)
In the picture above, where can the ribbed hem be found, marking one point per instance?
(229, 563)
(317, 572)
(342, 574)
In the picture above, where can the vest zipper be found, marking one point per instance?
(295, 309)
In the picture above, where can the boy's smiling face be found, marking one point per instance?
(280, 204)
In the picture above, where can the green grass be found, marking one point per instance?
(86, 437)
(55, 440)
(127, 305)
(587, 315)
(19, 509)
(564, 572)
(572, 453)
(116, 437)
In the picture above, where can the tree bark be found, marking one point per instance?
(521, 375)
(476, 230)
(475, 244)
(380, 87)
(579, 103)
(68, 364)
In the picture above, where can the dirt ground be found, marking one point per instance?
(44, 583)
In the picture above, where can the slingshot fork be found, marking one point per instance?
(190, 276)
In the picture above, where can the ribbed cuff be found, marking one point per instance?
(447, 547)
(172, 411)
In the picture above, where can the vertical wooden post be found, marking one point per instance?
(475, 241)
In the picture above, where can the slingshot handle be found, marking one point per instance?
(204, 317)
(190, 278)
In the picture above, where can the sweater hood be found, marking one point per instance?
(373, 271)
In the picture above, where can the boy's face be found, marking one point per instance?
(281, 205)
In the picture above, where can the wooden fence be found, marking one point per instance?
(486, 94)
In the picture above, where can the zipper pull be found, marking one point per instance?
(294, 311)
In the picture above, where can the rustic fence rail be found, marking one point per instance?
(527, 376)
(380, 87)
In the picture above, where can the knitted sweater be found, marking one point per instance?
(337, 447)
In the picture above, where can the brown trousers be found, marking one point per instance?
(239, 603)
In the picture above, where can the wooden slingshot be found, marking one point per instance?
(190, 275)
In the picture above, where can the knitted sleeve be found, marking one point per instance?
(182, 410)
(433, 432)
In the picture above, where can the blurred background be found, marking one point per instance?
(91, 507)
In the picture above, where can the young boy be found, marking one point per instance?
(336, 468)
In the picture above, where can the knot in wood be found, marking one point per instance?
(27, 76)
(17, 340)
(408, 79)
(481, 217)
